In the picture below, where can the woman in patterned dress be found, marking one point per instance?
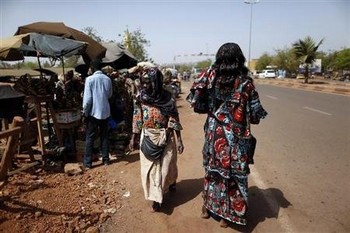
(157, 115)
(233, 105)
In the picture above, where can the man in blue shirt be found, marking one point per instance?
(98, 89)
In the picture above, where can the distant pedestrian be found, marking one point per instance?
(232, 105)
(96, 108)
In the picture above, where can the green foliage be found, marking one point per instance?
(285, 59)
(306, 51)
(29, 65)
(264, 60)
(204, 64)
(342, 60)
(136, 42)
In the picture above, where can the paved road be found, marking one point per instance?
(304, 153)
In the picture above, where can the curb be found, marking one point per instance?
(321, 86)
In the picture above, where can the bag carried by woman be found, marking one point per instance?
(153, 143)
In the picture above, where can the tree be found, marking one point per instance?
(263, 61)
(136, 42)
(306, 50)
(90, 31)
(285, 60)
(204, 64)
(342, 60)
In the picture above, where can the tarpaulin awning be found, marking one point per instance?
(117, 56)
(30, 44)
(94, 49)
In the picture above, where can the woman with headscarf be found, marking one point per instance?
(157, 118)
(233, 104)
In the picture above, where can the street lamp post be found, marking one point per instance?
(251, 2)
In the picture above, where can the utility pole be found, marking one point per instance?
(251, 3)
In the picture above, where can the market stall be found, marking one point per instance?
(54, 103)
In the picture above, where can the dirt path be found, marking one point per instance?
(181, 210)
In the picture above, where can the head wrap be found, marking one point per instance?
(158, 96)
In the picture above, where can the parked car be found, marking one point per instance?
(257, 74)
(300, 76)
(269, 74)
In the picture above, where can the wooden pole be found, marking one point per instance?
(37, 56)
(13, 135)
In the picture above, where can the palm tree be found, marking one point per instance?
(305, 50)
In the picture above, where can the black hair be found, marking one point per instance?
(96, 64)
(230, 60)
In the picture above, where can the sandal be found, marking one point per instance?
(223, 223)
(204, 213)
(156, 206)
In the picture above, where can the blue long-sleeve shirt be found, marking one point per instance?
(98, 89)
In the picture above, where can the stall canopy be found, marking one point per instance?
(94, 49)
(30, 44)
(117, 56)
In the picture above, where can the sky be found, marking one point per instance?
(177, 29)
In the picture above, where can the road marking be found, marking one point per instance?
(282, 218)
(319, 111)
(272, 97)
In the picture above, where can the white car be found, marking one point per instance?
(269, 74)
(257, 74)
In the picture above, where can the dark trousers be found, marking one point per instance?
(95, 127)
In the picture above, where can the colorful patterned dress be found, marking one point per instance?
(233, 106)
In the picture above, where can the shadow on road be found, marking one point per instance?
(260, 209)
(130, 158)
(186, 190)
